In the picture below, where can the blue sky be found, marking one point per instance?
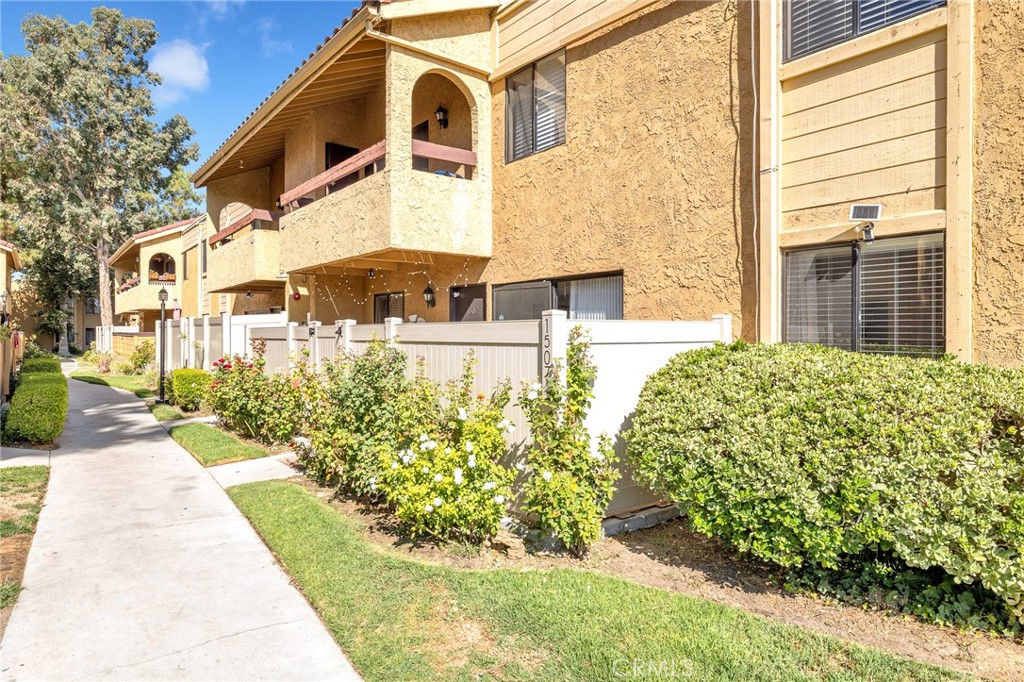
(219, 58)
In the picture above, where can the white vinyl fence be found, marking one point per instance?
(626, 352)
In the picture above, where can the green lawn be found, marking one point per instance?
(400, 619)
(212, 446)
(21, 490)
(164, 412)
(129, 382)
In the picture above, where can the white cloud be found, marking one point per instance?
(183, 68)
(220, 7)
(269, 44)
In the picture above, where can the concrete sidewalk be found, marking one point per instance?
(142, 568)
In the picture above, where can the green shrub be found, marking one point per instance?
(265, 408)
(814, 457)
(34, 350)
(447, 479)
(570, 482)
(38, 408)
(187, 388)
(41, 365)
(140, 359)
(353, 416)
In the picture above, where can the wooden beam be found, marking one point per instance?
(368, 264)
(369, 155)
(440, 152)
(960, 180)
(928, 221)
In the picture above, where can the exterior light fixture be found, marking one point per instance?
(163, 296)
(3, 301)
(371, 273)
(429, 298)
(441, 114)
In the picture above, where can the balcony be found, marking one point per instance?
(135, 294)
(361, 210)
(245, 256)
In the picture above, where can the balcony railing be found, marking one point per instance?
(253, 217)
(162, 279)
(369, 161)
(129, 284)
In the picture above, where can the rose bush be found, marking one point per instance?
(569, 483)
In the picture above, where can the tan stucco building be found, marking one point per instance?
(644, 160)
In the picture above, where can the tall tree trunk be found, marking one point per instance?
(106, 308)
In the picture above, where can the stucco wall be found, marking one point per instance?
(337, 297)
(457, 35)
(189, 272)
(251, 187)
(655, 175)
(999, 184)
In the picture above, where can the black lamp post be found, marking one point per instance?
(163, 334)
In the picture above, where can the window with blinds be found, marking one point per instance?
(885, 296)
(535, 108)
(388, 305)
(813, 25)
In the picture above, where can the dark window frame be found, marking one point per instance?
(553, 282)
(510, 129)
(184, 265)
(387, 296)
(857, 29)
(856, 295)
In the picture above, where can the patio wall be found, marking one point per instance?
(626, 352)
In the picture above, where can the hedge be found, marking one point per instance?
(38, 407)
(29, 366)
(808, 455)
(187, 388)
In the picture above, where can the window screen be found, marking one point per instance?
(813, 25)
(535, 107)
(523, 301)
(819, 297)
(388, 305)
(883, 297)
(901, 296)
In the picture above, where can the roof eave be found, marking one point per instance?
(349, 33)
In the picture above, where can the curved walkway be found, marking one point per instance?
(142, 568)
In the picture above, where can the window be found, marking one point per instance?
(92, 306)
(882, 297)
(388, 305)
(584, 298)
(535, 108)
(813, 25)
(184, 265)
(203, 257)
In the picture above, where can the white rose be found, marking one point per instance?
(469, 446)
(303, 441)
(447, 451)
(437, 501)
(373, 486)
(437, 478)
(546, 475)
(462, 413)
(500, 499)
(458, 477)
(472, 461)
(429, 508)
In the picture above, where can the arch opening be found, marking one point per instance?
(442, 115)
(161, 269)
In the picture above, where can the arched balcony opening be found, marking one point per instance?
(443, 127)
(161, 269)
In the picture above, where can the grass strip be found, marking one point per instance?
(164, 412)
(129, 382)
(400, 619)
(211, 446)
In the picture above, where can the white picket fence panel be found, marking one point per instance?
(626, 353)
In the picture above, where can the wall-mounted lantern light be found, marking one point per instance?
(429, 298)
(867, 231)
(441, 114)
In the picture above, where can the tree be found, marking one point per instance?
(178, 200)
(76, 118)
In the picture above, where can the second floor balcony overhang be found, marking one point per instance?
(245, 255)
(381, 141)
